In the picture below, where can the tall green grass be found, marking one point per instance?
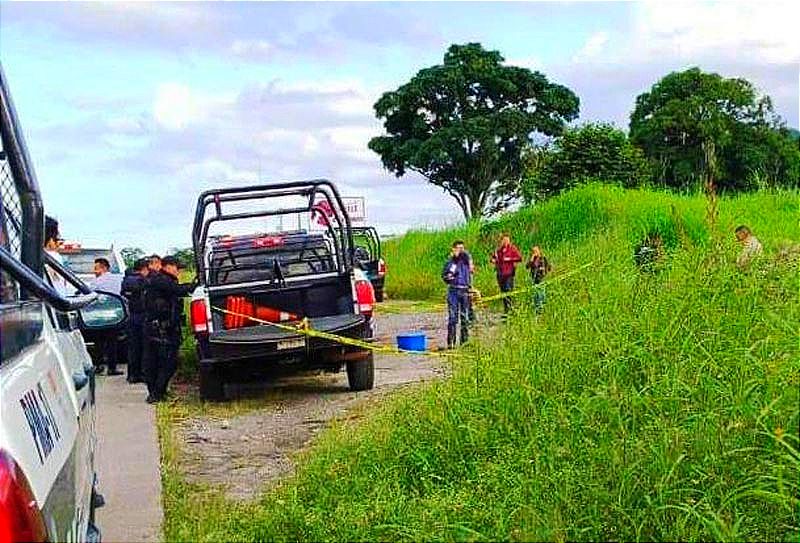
(580, 216)
(655, 406)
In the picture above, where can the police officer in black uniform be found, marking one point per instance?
(162, 328)
(133, 290)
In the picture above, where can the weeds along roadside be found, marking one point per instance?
(638, 406)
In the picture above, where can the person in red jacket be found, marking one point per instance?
(505, 260)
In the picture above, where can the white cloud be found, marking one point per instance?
(253, 49)
(532, 63)
(175, 106)
(762, 31)
(594, 45)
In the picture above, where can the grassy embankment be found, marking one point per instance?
(638, 407)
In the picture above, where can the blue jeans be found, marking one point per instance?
(457, 310)
(539, 297)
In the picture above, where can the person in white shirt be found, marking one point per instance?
(751, 246)
(103, 279)
(107, 282)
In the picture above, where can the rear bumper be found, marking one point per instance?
(282, 347)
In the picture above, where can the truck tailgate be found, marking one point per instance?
(266, 333)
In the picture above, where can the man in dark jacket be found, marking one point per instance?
(162, 329)
(133, 290)
(458, 276)
(505, 260)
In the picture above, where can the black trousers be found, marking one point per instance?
(506, 284)
(135, 347)
(160, 358)
(107, 349)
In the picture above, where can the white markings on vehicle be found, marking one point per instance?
(291, 344)
(41, 421)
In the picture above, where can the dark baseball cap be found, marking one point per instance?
(169, 259)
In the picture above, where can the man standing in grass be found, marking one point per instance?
(539, 267)
(505, 260)
(751, 247)
(458, 276)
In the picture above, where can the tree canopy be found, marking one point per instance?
(693, 125)
(464, 124)
(595, 151)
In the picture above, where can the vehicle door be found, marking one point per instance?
(38, 420)
(79, 374)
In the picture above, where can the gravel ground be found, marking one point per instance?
(246, 453)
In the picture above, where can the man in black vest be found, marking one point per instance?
(133, 290)
(162, 328)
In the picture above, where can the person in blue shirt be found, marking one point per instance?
(457, 275)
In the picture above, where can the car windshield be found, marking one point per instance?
(82, 262)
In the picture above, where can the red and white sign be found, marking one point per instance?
(355, 207)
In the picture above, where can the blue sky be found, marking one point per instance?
(130, 110)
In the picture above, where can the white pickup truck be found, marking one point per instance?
(47, 408)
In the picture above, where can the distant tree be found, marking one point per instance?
(184, 256)
(701, 129)
(131, 255)
(596, 151)
(463, 125)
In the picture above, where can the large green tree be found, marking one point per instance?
(595, 151)
(464, 124)
(700, 128)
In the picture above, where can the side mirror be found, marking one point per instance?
(107, 312)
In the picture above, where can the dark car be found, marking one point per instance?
(256, 288)
(368, 256)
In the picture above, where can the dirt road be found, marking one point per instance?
(247, 452)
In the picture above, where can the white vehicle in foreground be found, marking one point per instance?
(47, 407)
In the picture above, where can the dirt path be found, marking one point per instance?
(246, 452)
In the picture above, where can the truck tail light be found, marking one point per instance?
(365, 295)
(381, 268)
(199, 314)
(268, 241)
(20, 517)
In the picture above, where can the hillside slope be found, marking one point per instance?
(570, 224)
(639, 406)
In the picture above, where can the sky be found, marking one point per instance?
(130, 110)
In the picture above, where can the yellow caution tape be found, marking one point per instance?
(502, 295)
(303, 327)
(481, 300)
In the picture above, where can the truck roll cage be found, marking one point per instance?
(323, 200)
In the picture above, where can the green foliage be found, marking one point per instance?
(184, 256)
(638, 407)
(131, 255)
(463, 125)
(558, 225)
(693, 124)
(592, 151)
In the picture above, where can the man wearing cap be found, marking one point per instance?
(162, 329)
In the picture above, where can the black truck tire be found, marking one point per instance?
(212, 384)
(361, 373)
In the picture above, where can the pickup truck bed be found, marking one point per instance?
(266, 333)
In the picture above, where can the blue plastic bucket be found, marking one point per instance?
(413, 341)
